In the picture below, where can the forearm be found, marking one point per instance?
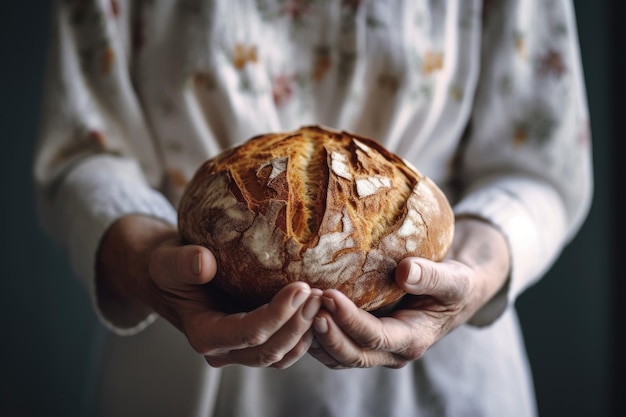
(81, 207)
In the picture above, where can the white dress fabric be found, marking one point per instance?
(485, 98)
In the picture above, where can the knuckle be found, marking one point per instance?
(299, 350)
(464, 287)
(357, 362)
(434, 279)
(463, 281)
(287, 361)
(374, 343)
(251, 337)
(268, 357)
(397, 363)
(333, 346)
(413, 352)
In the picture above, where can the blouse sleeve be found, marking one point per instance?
(527, 157)
(94, 161)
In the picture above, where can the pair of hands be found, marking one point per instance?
(169, 279)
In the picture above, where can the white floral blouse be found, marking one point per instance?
(485, 97)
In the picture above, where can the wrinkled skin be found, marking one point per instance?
(142, 267)
(441, 296)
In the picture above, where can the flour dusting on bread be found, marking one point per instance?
(331, 208)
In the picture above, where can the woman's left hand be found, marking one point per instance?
(441, 296)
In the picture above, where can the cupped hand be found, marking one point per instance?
(275, 334)
(141, 263)
(348, 337)
(440, 297)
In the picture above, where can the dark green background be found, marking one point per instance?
(49, 330)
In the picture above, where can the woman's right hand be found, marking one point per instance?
(141, 259)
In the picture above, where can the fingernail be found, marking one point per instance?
(329, 304)
(415, 273)
(311, 308)
(316, 291)
(196, 265)
(321, 325)
(300, 298)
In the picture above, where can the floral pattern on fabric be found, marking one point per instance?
(485, 97)
(334, 62)
(375, 68)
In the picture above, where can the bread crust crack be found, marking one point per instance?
(334, 209)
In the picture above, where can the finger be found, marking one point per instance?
(447, 281)
(317, 351)
(342, 350)
(301, 348)
(307, 315)
(189, 264)
(245, 330)
(365, 329)
(282, 348)
(388, 341)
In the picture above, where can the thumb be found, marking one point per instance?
(189, 264)
(447, 281)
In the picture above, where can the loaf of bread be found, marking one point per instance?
(330, 208)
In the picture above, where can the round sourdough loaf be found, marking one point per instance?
(330, 208)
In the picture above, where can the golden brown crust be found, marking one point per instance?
(330, 208)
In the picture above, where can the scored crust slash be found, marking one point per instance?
(330, 208)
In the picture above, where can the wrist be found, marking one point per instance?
(481, 246)
(125, 291)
